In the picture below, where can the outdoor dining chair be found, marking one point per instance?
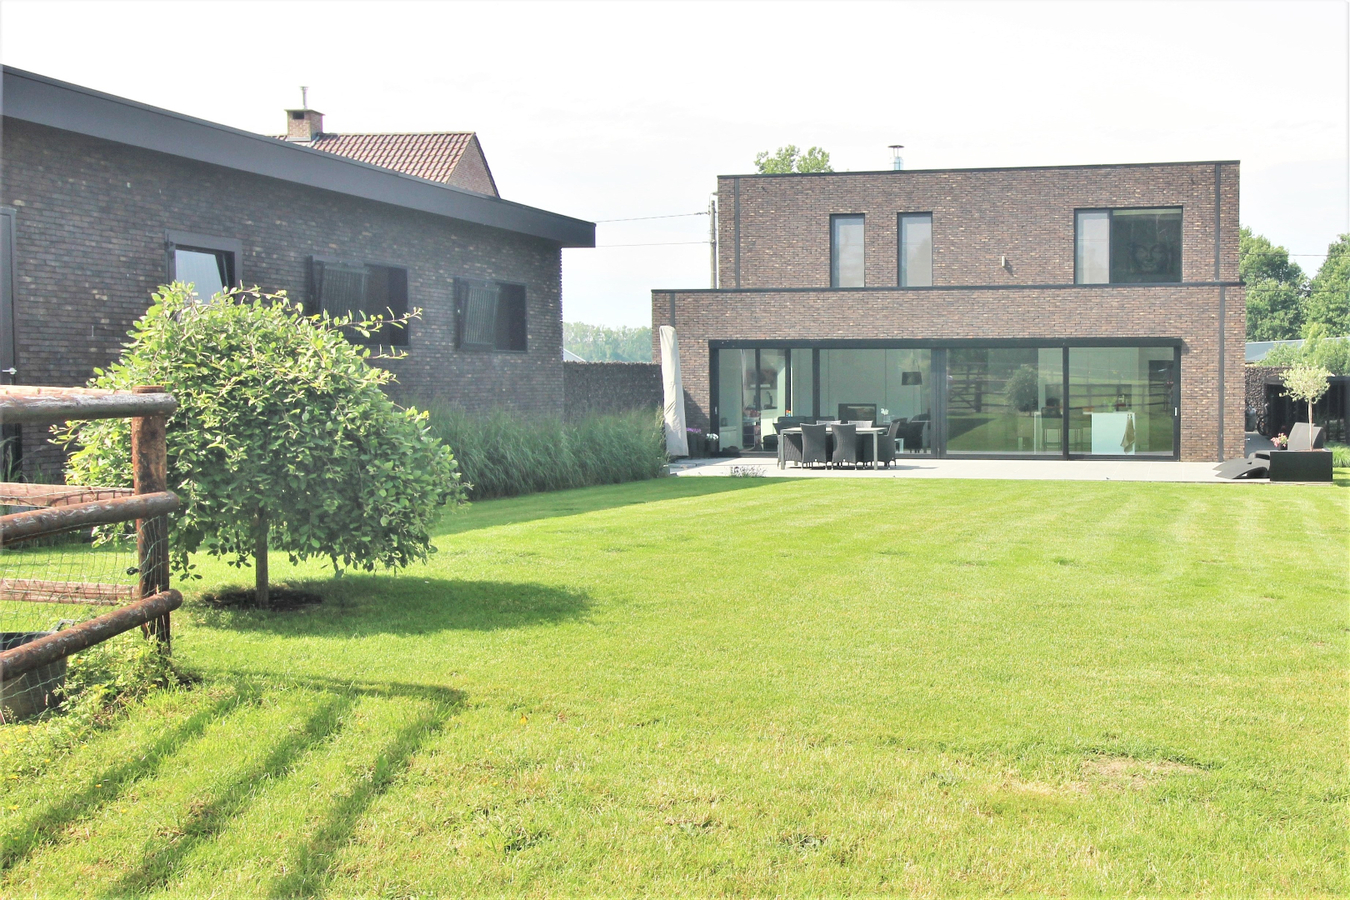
(845, 445)
(813, 445)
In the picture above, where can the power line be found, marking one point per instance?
(655, 244)
(645, 218)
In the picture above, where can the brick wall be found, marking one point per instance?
(1055, 314)
(774, 245)
(610, 387)
(979, 216)
(89, 240)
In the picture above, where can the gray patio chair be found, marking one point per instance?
(813, 445)
(886, 444)
(845, 445)
(792, 448)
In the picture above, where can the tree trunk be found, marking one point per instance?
(262, 594)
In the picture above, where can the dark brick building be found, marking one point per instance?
(1047, 311)
(103, 199)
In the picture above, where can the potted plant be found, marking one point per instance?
(1307, 384)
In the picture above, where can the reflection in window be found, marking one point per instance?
(916, 250)
(1128, 246)
(206, 270)
(491, 316)
(1005, 400)
(1122, 400)
(846, 251)
(359, 289)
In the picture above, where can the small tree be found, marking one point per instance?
(788, 160)
(283, 437)
(1306, 383)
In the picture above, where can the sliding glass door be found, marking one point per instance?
(963, 400)
(1005, 401)
(1122, 401)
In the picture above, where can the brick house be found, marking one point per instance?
(1070, 311)
(103, 199)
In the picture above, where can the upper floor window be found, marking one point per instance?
(916, 249)
(1127, 246)
(491, 315)
(210, 264)
(846, 251)
(354, 288)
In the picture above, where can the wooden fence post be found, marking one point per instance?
(150, 468)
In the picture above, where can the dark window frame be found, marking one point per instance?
(510, 317)
(1111, 212)
(834, 268)
(940, 348)
(389, 335)
(900, 249)
(204, 243)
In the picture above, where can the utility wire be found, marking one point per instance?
(655, 244)
(645, 218)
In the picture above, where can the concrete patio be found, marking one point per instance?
(925, 467)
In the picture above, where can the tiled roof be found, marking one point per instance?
(429, 156)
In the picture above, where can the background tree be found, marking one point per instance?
(1276, 288)
(283, 437)
(1318, 349)
(1328, 300)
(1306, 384)
(596, 343)
(788, 160)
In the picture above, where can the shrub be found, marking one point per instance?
(503, 454)
(1340, 455)
(283, 436)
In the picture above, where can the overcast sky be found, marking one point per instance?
(618, 110)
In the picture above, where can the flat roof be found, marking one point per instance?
(1134, 165)
(57, 104)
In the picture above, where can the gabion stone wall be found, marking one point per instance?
(1256, 391)
(599, 388)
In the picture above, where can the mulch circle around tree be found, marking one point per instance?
(281, 599)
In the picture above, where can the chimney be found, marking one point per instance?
(303, 124)
(897, 161)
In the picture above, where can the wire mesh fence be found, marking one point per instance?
(80, 564)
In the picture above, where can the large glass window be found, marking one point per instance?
(846, 251)
(881, 385)
(491, 315)
(1005, 400)
(1127, 246)
(916, 250)
(1122, 401)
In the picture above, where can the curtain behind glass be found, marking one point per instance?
(846, 251)
(916, 251)
(205, 271)
(1092, 253)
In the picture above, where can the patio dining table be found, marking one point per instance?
(874, 431)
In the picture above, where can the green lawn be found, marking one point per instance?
(751, 686)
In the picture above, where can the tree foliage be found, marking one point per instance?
(1306, 384)
(282, 421)
(596, 343)
(1328, 300)
(788, 160)
(1318, 349)
(1276, 288)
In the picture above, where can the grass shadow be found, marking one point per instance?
(164, 854)
(47, 826)
(359, 606)
(311, 869)
(555, 504)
